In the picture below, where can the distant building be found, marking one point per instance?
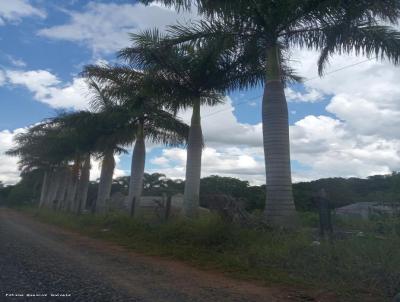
(365, 209)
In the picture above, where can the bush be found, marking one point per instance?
(19, 195)
(309, 219)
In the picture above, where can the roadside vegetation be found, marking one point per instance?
(361, 266)
(362, 258)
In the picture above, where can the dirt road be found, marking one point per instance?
(39, 259)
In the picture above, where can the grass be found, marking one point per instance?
(368, 265)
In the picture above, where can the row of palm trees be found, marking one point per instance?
(238, 44)
(63, 146)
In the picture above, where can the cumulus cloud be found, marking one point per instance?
(104, 27)
(363, 139)
(308, 96)
(9, 173)
(2, 78)
(242, 163)
(16, 62)
(366, 95)
(15, 10)
(367, 116)
(221, 127)
(48, 88)
(331, 149)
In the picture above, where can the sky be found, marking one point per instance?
(345, 124)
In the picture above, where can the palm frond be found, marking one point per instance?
(371, 41)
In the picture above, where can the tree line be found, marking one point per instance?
(237, 45)
(340, 191)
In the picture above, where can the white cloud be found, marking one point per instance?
(47, 88)
(15, 10)
(9, 173)
(35, 80)
(367, 116)
(363, 139)
(221, 127)
(366, 96)
(162, 161)
(231, 148)
(330, 149)
(16, 62)
(242, 163)
(310, 95)
(2, 78)
(104, 27)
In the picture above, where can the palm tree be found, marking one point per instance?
(70, 138)
(48, 147)
(144, 109)
(263, 31)
(84, 130)
(78, 138)
(106, 131)
(114, 128)
(83, 185)
(189, 77)
(25, 148)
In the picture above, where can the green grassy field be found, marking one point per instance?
(363, 265)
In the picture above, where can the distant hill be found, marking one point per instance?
(343, 191)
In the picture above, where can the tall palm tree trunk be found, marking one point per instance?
(45, 188)
(63, 187)
(279, 207)
(72, 190)
(106, 176)
(83, 185)
(54, 185)
(193, 164)
(137, 172)
(50, 184)
(68, 177)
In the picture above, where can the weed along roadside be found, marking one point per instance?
(367, 264)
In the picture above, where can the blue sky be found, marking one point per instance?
(345, 124)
